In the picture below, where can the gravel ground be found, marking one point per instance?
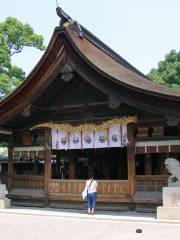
(29, 227)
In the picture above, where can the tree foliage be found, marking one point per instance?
(3, 144)
(14, 36)
(168, 71)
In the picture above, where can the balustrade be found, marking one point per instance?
(152, 183)
(34, 182)
(107, 187)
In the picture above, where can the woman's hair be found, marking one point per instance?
(91, 176)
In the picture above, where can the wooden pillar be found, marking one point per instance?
(160, 165)
(131, 159)
(108, 163)
(58, 165)
(120, 166)
(10, 162)
(36, 164)
(162, 169)
(72, 167)
(104, 169)
(47, 159)
(148, 164)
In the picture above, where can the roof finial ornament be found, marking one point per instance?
(66, 18)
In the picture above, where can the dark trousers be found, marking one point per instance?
(91, 198)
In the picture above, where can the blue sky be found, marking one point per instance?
(141, 31)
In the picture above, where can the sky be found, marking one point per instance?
(141, 31)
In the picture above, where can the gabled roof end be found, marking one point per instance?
(66, 18)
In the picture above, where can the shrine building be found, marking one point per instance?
(85, 110)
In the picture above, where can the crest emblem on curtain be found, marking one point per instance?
(114, 136)
(88, 139)
(101, 139)
(75, 140)
(63, 136)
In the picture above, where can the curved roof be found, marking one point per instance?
(114, 66)
(107, 60)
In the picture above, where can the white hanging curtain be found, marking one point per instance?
(88, 139)
(114, 136)
(55, 138)
(101, 139)
(75, 140)
(124, 139)
(63, 140)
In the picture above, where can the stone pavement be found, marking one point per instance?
(130, 216)
(47, 223)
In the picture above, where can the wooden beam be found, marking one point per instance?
(69, 107)
(131, 159)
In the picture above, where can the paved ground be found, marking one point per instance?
(47, 224)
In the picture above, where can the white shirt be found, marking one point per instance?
(93, 187)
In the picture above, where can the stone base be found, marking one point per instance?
(5, 203)
(172, 213)
(174, 184)
(171, 197)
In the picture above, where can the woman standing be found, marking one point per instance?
(91, 186)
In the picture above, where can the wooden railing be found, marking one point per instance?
(34, 182)
(108, 187)
(105, 187)
(113, 187)
(151, 182)
(65, 186)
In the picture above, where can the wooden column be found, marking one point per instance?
(162, 169)
(107, 166)
(131, 159)
(120, 168)
(148, 164)
(72, 167)
(47, 159)
(58, 165)
(10, 162)
(36, 164)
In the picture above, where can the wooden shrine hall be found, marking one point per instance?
(82, 110)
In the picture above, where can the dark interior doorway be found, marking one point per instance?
(109, 163)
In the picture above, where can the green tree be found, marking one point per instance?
(3, 144)
(168, 71)
(14, 36)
